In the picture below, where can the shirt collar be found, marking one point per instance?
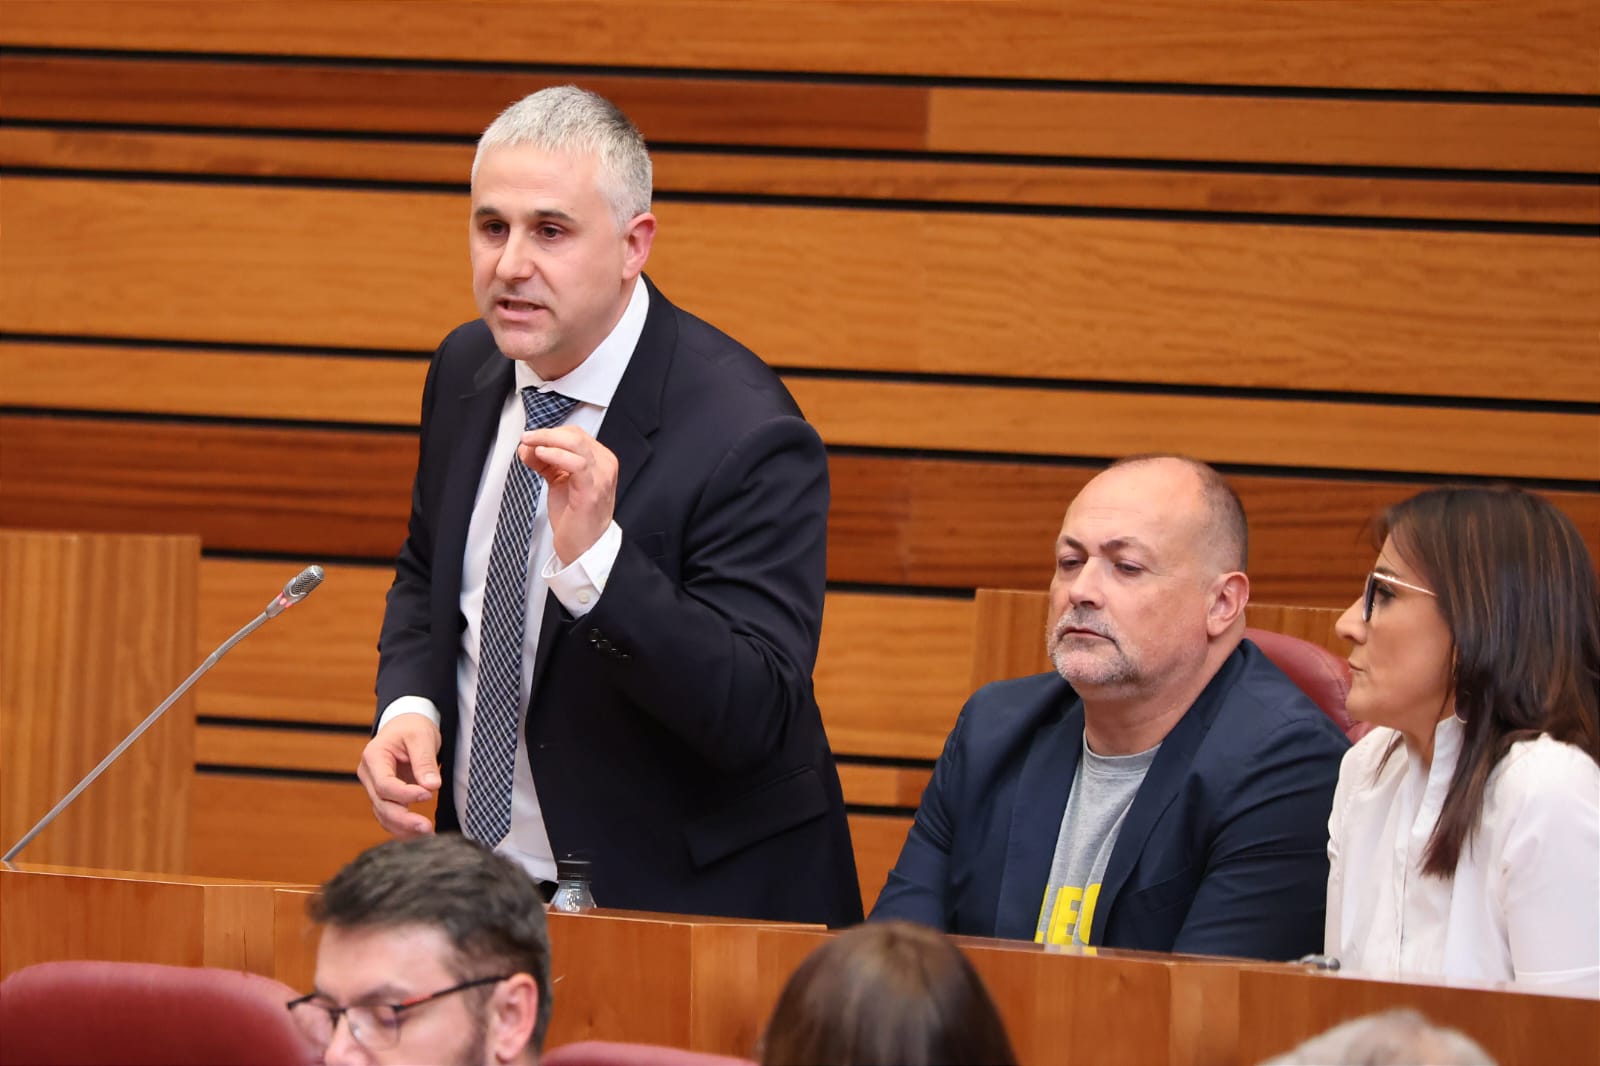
(594, 381)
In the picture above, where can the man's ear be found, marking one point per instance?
(637, 238)
(513, 1014)
(1229, 594)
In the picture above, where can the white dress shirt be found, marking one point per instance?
(578, 585)
(1524, 904)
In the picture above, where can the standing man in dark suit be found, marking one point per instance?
(605, 615)
(1168, 787)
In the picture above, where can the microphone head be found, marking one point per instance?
(298, 588)
(303, 582)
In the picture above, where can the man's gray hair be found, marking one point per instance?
(568, 119)
(1394, 1037)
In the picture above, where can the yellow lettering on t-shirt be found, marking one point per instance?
(1071, 911)
(1086, 923)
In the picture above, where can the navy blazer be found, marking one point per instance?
(673, 733)
(1224, 851)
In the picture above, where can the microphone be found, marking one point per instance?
(298, 588)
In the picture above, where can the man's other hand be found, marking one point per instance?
(399, 767)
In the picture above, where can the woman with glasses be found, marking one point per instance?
(1465, 835)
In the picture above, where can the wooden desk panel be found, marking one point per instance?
(710, 984)
(53, 912)
(1280, 1007)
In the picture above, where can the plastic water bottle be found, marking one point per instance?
(573, 894)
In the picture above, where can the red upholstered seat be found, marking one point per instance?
(143, 1014)
(611, 1053)
(1321, 675)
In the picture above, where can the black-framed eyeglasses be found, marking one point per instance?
(375, 1026)
(1370, 593)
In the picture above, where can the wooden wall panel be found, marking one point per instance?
(453, 102)
(849, 177)
(278, 829)
(95, 631)
(327, 493)
(682, 110)
(1009, 627)
(1474, 45)
(314, 664)
(212, 383)
(1189, 126)
(926, 416)
(945, 523)
(890, 673)
(877, 840)
(1252, 306)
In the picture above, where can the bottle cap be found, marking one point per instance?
(572, 869)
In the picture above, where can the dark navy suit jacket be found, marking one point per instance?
(673, 733)
(1224, 851)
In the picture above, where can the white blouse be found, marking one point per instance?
(1524, 904)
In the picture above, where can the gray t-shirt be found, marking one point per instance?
(1102, 791)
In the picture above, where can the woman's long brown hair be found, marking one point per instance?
(1518, 590)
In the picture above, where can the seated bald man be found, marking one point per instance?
(1168, 787)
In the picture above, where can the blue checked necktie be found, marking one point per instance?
(505, 602)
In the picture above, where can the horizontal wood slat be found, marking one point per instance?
(1218, 430)
(1008, 625)
(896, 521)
(1087, 299)
(877, 839)
(316, 663)
(240, 489)
(927, 416)
(685, 110)
(276, 828)
(883, 786)
(851, 178)
(218, 384)
(1536, 46)
(221, 745)
(297, 831)
(889, 675)
(972, 524)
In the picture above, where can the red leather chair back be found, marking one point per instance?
(1318, 672)
(144, 1014)
(613, 1053)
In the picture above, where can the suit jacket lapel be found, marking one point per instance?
(477, 421)
(1041, 799)
(1159, 789)
(635, 410)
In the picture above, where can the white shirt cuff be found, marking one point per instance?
(579, 585)
(409, 705)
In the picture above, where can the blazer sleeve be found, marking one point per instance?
(403, 640)
(1263, 891)
(722, 656)
(919, 885)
